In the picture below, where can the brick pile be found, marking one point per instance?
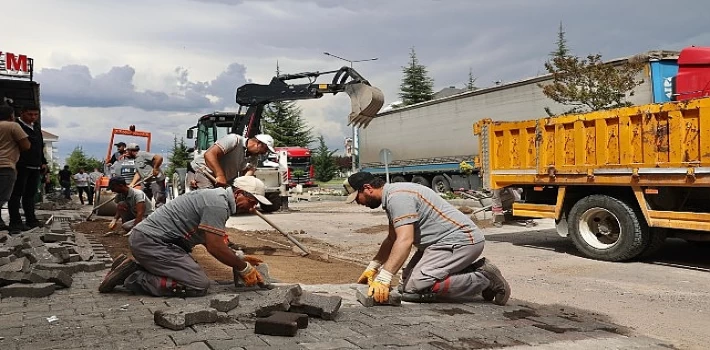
(38, 261)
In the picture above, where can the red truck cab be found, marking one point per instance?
(693, 79)
(300, 169)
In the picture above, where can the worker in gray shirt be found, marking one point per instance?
(132, 206)
(448, 243)
(147, 167)
(161, 244)
(229, 157)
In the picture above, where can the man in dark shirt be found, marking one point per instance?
(120, 152)
(29, 167)
(65, 181)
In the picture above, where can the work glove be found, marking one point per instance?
(369, 274)
(254, 261)
(112, 224)
(251, 276)
(380, 287)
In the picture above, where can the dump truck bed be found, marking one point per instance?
(649, 145)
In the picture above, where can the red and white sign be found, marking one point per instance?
(15, 65)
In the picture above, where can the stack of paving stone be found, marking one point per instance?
(38, 261)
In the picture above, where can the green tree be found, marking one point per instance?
(344, 163)
(323, 161)
(589, 84)
(284, 122)
(416, 84)
(471, 85)
(78, 159)
(179, 157)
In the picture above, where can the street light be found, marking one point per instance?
(351, 61)
(355, 147)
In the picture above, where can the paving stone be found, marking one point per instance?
(179, 318)
(19, 265)
(7, 259)
(241, 339)
(329, 345)
(5, 252)
(60, 278)
(278, 299)
(277, 324)
(88, 266)
(36, 290)
(59, 251)
(361, 292)
(55, 237)
(39, 255)
(31, 240)
(4, 234)
(57, 227)
(68, 268)
(195, 346)
(224, 302)
(73, 257)
(317, 305)
(10, 277)
(85, 252)
(263, 269)
(301, 319)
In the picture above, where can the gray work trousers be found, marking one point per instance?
(165, 268)
(438, 269)
(156, 189)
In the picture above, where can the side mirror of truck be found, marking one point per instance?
(190, 133)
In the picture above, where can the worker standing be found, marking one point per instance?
(119, 154)
(161, 244)
(81, 179)
(132, 206)
(13, 140)
(448, 245)
(148, 169)
(229, 157)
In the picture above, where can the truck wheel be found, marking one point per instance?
(421, 180)
(398, 178)
(606, 228)
(655, 243)
(275, 200)
(440, 184)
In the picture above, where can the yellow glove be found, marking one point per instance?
(380, 291)
(380, 287)
(252, 260)
(369, 274)
(112, 224)
(251, 276)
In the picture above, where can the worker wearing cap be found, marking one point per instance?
(161, 244)
(148, 169)
(132, 206)
(229, 157)
(120, 152)
(447, 241)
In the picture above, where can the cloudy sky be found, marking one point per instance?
(159, 64)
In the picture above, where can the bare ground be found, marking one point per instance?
(285, 264)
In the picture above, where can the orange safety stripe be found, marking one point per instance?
(210, 229)
(400, 218)
(436, 210)
(188, 234)
(164, 282)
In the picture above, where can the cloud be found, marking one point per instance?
(74, 86)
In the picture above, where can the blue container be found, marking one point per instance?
(662, 74)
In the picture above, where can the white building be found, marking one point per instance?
(49, 149)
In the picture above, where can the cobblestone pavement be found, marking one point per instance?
(86, 319)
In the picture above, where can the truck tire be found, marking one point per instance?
(440, 184)
(606, 228)
(655, 243)
(275, 200)
(398, 178)
(421, 180)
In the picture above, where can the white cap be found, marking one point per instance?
(254, 186)
(133, 147)
(267, 140)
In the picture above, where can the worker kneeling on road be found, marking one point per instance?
(132, 206)
(161, 244)
(229, 157)
(444, 268)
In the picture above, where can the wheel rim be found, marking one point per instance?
(600, 228)
(440, 187)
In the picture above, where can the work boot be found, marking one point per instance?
(17, 228)
(34, 223)
(119, 259)
(498, 290)
(118, 275)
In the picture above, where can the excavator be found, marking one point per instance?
(365, 100)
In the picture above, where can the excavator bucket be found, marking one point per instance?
(365, 101)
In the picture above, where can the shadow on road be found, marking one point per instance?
(675, 252)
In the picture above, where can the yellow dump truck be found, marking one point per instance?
(618, 182)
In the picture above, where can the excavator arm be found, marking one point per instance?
(366, 100)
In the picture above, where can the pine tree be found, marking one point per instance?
(179, 156)
(416, 85)
(323, 161)
(284, 122)
(471, 85)
(562, 49)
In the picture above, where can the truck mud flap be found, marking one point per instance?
(365, 101)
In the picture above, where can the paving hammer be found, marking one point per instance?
(96, 208)
(259, 214)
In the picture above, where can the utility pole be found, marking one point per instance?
(356, 140)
